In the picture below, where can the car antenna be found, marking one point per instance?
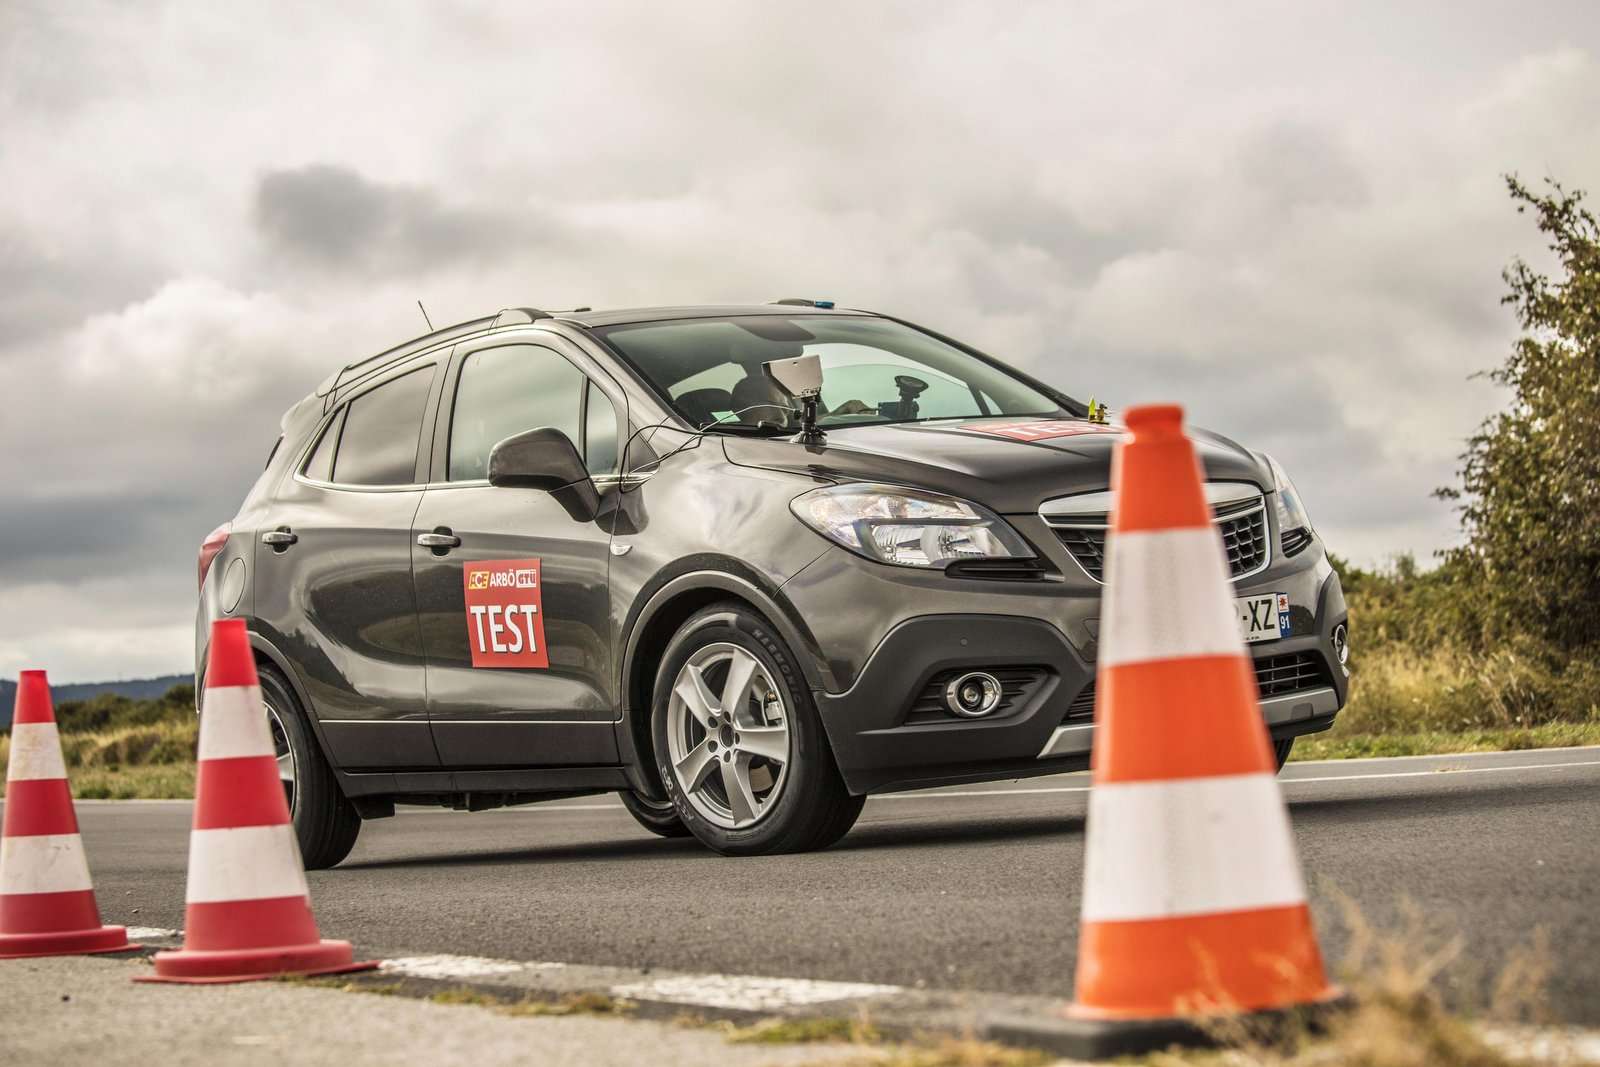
(425, 316)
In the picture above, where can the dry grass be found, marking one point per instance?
(956, 1052)
(805, 1031)
(1401, 688)
(1398, 1019)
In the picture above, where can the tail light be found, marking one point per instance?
(211, 546)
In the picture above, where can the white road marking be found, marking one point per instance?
(744, 993)
(447, 966)
(1450, 755)
(153, 933)
(1444, 771)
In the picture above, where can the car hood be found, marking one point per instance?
(1009, 465)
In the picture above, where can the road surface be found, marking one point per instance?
(962, 888)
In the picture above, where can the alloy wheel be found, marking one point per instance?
(284, 753)
(728, 735)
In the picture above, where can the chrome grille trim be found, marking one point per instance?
(1239, 511)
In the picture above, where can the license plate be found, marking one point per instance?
(1264, 617)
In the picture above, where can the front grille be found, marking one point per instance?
(1242, 524)
(1016, 685)
(1290, 673)
(1276, 676)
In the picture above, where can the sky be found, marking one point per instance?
(1290, 217)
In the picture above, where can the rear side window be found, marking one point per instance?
(320, 466)
(378, 445)
(504, 391)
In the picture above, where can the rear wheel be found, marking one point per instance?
(1281, 749)
(325, 822)
(739, 744)
(660, 817)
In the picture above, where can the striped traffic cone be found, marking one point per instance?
(47, 905)
(1193, 901)
(248, 910)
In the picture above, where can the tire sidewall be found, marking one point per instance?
(810, 757)
(277, 693)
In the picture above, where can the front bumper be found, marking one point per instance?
(887, 734)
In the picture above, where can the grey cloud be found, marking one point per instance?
(1293, 164)
(337, 218)
(43, 291)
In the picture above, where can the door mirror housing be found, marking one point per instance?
(546, 459)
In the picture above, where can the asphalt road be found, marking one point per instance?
(966, 888)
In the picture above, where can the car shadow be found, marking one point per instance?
(883, 836)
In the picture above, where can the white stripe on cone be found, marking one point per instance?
(234, 724)
(35, 753)
(244, 863)
(43, 863)
(1194, 846)
(1167, 598)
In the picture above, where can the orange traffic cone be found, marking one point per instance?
(47, 905)
(248, 911)
(1193, 900)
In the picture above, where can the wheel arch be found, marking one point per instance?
(670, 601)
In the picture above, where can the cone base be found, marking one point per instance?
(1088, 1034)
(249, 965)
(66, 943)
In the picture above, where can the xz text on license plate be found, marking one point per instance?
(1263, 617)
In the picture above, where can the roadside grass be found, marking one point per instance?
(147, 761)
(1337, 744)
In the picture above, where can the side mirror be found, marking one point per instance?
(546, 459)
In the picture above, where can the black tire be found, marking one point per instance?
(815, 809)
(660, 817)
(1281, 749)
(325, 822)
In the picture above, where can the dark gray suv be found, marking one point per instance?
(743, 565)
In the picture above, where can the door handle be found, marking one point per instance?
(441, 540)
(279, 539)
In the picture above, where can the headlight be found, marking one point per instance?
(1294, 525)
(890, 524)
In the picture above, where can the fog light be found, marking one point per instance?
(973, 695)
(1341, 644)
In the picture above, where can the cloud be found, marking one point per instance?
(1257, 212)
(338, 219)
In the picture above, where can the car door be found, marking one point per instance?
(333, 573)
(512, 591)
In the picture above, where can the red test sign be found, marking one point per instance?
(505, 621)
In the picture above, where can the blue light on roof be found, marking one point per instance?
(824, 303)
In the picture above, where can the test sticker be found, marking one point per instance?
(505, 620)
(1040, 429)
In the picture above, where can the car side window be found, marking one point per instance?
(320, 466)
(504, 391)
(599, 432)
(378, 445)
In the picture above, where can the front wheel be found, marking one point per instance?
(325, 822)
(660, 817)
(738, 741)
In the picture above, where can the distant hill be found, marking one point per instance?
(134, 689)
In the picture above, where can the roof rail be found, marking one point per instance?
(373, 364)
(518, 317)
(800, 301)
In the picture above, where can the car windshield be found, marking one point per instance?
(873, 371)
